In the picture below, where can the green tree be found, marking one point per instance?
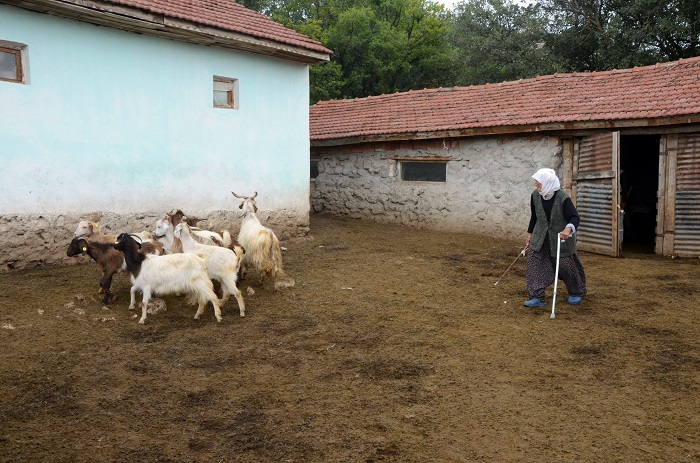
(498, 40)
(385, 46)
(594, 35)
(668, 29)
(392, 45)
(380, 46)
(585, 34)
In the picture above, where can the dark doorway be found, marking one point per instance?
(639, 182)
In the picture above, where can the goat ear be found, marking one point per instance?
(240, 206)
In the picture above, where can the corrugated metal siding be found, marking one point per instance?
(595, 187)
(687, 229)
(595, 154)
(594, 205)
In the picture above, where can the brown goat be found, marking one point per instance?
(177, 216)
(108, 259)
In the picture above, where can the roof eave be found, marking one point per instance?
(524, 129)
(135, 20)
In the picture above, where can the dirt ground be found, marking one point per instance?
(394, 346)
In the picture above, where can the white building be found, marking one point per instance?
(124, 110)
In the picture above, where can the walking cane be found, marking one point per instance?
(521, 253)
(556, 275)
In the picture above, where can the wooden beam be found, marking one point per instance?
(673, 124)
(670, 209)
(422, 158)
(661, 197)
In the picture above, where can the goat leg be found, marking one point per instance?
(105, 284)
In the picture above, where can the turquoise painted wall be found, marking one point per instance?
(122, 122)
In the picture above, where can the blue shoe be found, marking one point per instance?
(535, 302)
(573, 300)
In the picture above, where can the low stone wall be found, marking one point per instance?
(29, 240)
(487, 189)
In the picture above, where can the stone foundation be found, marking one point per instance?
(28, 240)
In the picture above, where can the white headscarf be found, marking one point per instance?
(549, 180)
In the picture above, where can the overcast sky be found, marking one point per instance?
(448, 3)
(451, 3)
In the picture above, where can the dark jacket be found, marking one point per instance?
(563, 212)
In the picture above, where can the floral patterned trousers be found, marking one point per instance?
(539, 272)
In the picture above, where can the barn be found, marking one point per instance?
(625, 143)
(122, 110)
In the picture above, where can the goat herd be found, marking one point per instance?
(179, 258)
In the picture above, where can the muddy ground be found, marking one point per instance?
(394, 346)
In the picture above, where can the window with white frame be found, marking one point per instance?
(225, 92)
(14, 62)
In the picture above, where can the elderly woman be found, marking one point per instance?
(553, 216)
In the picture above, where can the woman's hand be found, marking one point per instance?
(565, 234)
(527, 240)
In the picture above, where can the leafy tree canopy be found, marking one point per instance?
(385, 46)
(498, 40)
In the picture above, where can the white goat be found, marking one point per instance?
(222, 263)
(166, 226)
(169, 274)
(164, 235)
(203, 236)
(262, 248)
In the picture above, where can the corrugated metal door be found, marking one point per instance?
(595, 187)
(687, 201)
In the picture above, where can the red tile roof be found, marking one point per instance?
(227, 15)
(553, 102)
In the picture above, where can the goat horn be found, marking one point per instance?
(237, 196)
(137, 239)
(253, 197)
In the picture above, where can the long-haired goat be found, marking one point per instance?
(222, 264)
(108, 259)
(169, 274)
(262, 248)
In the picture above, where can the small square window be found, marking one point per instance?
(13, 62)
(225, 92)
(314, 169)
(423, 171)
